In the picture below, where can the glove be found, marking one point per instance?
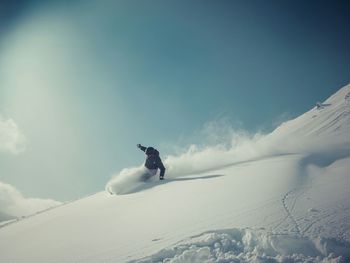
(138, 145)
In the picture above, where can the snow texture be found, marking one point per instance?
(235, 245)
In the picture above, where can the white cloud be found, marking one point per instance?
(12, 139)
(13, 204)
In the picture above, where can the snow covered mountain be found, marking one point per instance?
(285, 199)
(328, 119)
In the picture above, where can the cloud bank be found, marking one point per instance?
(13, 204)
(12, 139)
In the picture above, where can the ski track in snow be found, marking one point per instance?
(289, 211)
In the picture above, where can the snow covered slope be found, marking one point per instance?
(328, 119)
(288, 204)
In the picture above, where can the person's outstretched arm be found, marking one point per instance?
(142, 148)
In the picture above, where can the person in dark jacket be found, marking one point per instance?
(153, 161)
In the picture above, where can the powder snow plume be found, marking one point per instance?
(323, 129)
(127, 181)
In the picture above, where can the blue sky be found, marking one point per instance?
(85, 81)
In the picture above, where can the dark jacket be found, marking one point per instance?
(153, 160)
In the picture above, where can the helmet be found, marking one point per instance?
(151, 150)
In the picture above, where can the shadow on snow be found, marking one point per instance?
(154, 183)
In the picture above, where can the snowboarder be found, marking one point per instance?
(153, 161)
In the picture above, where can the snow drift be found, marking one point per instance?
(247, 245)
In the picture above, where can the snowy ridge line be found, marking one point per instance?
(20, 219)
(9, 222)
